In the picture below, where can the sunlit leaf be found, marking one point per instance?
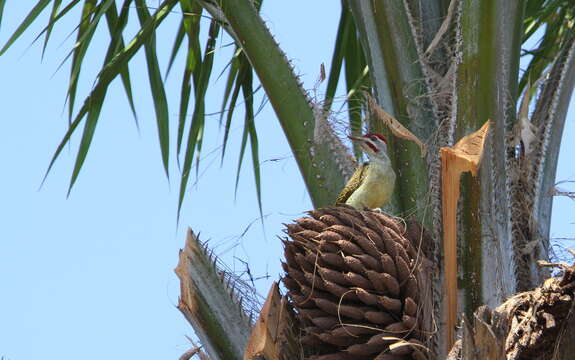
(354, 77)
(116, 26)
(242, 152)
(79, 51)
(157, 87)
(91, 15)
(180, 34)
(88, 134)
(51, 22)
(234, 98)
(184, 99)
(71, 129)
(247, 89)
(234, 67)
(36, 10)
(109, 72)
(57, 17)
(341, 41)
(554, 22)
(191, 12)
(2, 3)
(197, 124)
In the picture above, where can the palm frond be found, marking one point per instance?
(197, 70)
(51, 22)
(348, 53)
(2, 3)
(198, 117)
(191, 21)
(55, 19)
(116, 25)
(556, 19)
(250, 130)
(239, 73)
(91, 15)
(356, 76)
(180, 35)
(340, 49)
(32, 15)
(92, 104)
(291, 104)
(156, 85)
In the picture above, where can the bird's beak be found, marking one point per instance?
(364, 142)
(355, 138)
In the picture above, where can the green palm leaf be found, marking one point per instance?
(32, 15)
(92, 104)
(2, 3)
(52, 21)
(91, 15)
(198, 118)
(191, 22)
(556, 19)
(157, 86)
(116, 25)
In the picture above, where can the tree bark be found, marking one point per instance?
(536, 324)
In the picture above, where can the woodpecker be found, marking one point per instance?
(371, 185)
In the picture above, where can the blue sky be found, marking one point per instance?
(92, 275)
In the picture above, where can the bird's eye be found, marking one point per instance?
(373, 138)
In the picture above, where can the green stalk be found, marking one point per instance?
(550, 115)
(468, 120)
(209, 302)
(486, 88)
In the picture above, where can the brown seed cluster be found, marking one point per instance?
(349, 274)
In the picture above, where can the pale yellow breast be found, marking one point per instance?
(375, 191)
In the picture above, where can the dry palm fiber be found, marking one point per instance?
(350, 276)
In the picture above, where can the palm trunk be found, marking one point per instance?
(442, 87)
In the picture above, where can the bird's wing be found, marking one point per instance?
(352, 184)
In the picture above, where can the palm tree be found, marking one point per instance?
(441, 68)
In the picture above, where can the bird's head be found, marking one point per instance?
(374, 144)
